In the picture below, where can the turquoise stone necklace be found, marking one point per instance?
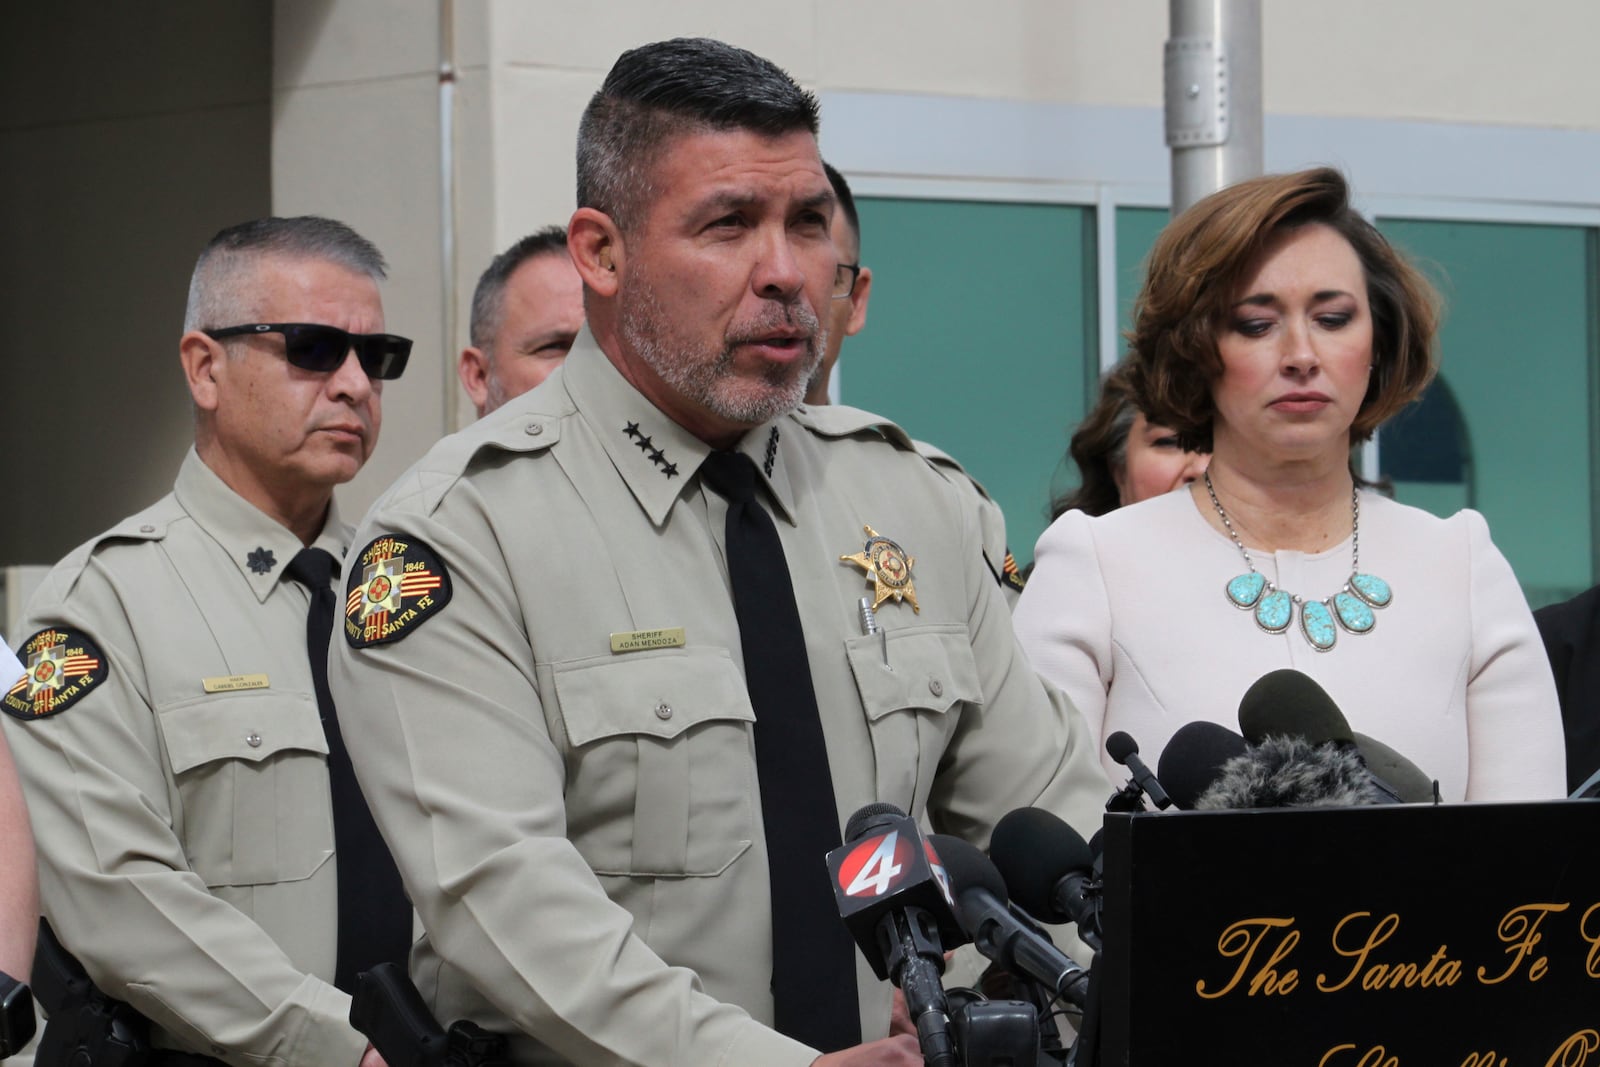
(1273, 608)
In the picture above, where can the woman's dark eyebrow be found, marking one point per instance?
(1270, 299)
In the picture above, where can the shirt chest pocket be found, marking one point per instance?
(252, 777)
(909, 684)
(659, 763)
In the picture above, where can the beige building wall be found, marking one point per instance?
(548, 58)
(444, 130)
(1472, 61)
(129, 134)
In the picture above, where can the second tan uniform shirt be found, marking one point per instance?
(991, 520)
(179, 797)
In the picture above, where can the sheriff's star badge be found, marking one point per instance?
(887, 564)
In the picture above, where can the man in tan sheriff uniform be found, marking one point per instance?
(555, 726)
(167, 731)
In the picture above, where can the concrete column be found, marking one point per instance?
(130, 134)
(373, 105)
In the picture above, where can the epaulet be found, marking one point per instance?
(946, 464)
(838, 420)
(148, 525)
(529, 423)
(996, 553)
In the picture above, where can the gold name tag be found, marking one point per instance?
(234, 682)
(639, 640)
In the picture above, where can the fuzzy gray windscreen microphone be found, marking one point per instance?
(1290, 772)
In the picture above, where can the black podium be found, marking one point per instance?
(1464, 935)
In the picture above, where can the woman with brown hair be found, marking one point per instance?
(1278, 329)
(1123, 457)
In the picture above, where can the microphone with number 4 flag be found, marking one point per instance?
(895, 899)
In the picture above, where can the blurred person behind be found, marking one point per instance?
(1122, 457)
(1278, 327)
(1571, 634)
(846, 316)
(527, 310)
(19, 883)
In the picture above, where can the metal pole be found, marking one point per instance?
(450, 384)
(1213, 95)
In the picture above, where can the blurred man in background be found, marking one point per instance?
(526, 311)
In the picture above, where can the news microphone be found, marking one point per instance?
(1125, 750)
(894, 897)
(1387, 765)
(1291, 772)
(997, 932)
(1193, 759)
(1048, 870)
(1288, 703)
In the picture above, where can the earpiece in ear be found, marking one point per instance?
(605, 260)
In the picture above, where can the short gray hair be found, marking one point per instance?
(222, 275)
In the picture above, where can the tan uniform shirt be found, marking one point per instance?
(570, 788)
(991, 520)
(180, 801)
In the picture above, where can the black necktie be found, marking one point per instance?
(813, 957)
(374, 914)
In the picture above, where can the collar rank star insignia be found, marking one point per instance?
(887, 564)
(648, 447)
(772, 452)
(395, 586)
(63, 666)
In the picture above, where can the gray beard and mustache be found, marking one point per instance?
(708, 378)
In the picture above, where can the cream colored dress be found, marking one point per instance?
(1127, 614)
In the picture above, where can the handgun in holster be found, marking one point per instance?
(85, 1028)
(389, 1010)
(16, 1015)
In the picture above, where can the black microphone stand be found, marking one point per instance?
(910, 943)
(1086, 1049)
(996, 1033)
(1130, 798)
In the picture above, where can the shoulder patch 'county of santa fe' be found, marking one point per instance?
(396, 584)
(1011, 575)
(61, 667)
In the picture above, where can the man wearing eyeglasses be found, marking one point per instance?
(612, 741)
(204, 851)
(847, 314)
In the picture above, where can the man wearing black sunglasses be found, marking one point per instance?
(181, 756)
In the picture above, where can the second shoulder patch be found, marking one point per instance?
(395, 586)
(61, 666)
(1011, 575)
